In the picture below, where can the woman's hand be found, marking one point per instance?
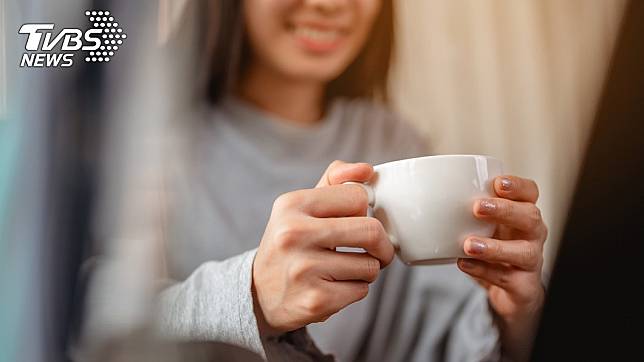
(298, 277)
(509, 264)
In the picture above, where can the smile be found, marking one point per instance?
(317, 34)
(316, 39)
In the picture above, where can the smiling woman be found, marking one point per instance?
(290, 86)
(297, 44)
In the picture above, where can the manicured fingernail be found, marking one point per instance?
(475, 246)
(506, 184)
(466, 264)
(487, 207)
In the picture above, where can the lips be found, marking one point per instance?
(318, 39)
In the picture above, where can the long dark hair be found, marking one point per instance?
(223, 53)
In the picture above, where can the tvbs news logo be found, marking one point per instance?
(47, 48)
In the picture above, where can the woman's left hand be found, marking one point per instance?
(509, 264)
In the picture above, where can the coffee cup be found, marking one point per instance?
(425, 204)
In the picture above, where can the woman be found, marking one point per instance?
(294, 85)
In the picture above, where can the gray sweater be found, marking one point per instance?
(233, 165)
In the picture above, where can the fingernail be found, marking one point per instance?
(475, 246)
(506, 184)
(487, 207)
(466, 264)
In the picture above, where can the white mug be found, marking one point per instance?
(425, 204)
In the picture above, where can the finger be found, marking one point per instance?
(330, 297)
(519, 253)
(338, 266)
(523, 216)
(348, 292)
(516, 188)
(356, 232)
(340, 172)
(331, 201)
(495, 274)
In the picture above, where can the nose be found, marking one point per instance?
(327, 6)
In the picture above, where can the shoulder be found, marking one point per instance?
(380, 126)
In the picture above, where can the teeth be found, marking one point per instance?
(317, 34)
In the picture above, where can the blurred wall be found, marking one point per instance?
(516, 79)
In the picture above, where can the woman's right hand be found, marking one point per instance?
(298, 277)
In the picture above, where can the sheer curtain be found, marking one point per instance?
(516, 79)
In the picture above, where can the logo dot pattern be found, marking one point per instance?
(111, 35)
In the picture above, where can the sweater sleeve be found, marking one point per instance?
(474, 335)
(215, 304)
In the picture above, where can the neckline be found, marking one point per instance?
(248, 115)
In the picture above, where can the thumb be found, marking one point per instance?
(340, 172)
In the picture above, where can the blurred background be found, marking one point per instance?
(81, 148)
(516, 79)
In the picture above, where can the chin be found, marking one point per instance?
(320, 71)
(318, 75)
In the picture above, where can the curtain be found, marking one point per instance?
(515, 79)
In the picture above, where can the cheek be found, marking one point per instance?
(365, 15)
(369, 9)
(263, 20)
(265, 24)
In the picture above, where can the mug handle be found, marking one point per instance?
(372, 201)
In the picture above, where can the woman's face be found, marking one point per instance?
(311, 40)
